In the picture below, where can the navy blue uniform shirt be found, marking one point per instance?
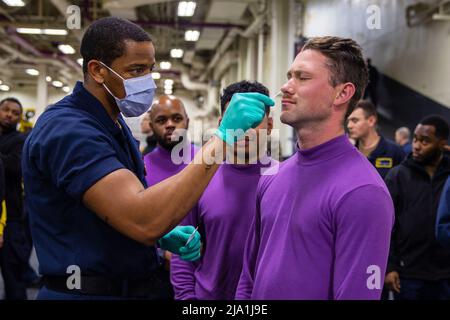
(386, 156)
(74, 144)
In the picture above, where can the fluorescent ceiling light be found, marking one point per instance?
(191, 35)
(176, 53)
(32, 72)
(29, 30)
(66, 89)
(4, 87)
(186, 8)
(66, 49)
(48, 78)
(14, 3)
(165, 65)
(55, 32)
(156, 75)
(57, 84)
(50, 32)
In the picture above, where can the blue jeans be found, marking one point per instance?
(413, 289)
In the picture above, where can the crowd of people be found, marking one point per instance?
(350, 215)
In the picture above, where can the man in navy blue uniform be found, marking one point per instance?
(362, 126)
(94, 223)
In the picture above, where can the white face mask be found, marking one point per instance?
(139, 93)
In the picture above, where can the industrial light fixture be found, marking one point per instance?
(4, 87)
(50, 32)
(168, 82)
(186, 8)
(14, 3)
(80, 61)
(66, 89)
(32, 72)
(176, 53)
(156, 75)
(191, 35)
(168, 91)
(57, 84)
(66, 49)
(165, 65)
(48, 78)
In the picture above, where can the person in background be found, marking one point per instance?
(418, 266)
(362, 126)
(150, 139)
(402, 138)
(15, 251)
(224, 227)
(169, 123)
(167, 115)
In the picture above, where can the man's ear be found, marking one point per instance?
(344, 93)
(372, 120)
(443, 144)
(96, 71)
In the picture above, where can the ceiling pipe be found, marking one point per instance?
(232, 34)
(191, 85)
(187, 24)
(41, 60)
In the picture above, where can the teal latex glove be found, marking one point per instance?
(175, 241)
(245, 111)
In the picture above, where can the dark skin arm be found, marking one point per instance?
(145, 215)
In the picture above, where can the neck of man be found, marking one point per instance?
(314, 134)
(432, 166)
(369, 142)
(5, 129)
(104, 97)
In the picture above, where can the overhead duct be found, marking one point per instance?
(191, 85)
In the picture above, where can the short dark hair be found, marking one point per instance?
(14, 100)
(105, 38)
(439, 124)
(240, 87)
(368, 108)
(345, 62)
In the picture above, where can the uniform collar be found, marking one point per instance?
(84, 100)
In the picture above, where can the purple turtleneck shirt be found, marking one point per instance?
(159, 164)
(224, 215)
(321, 230)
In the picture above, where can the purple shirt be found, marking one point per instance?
(160, 166)
(224, 215)
(322, 228)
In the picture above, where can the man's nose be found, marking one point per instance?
(286, 89)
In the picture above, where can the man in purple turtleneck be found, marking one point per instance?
(224, 214)
(166, 116)
(323, 223)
